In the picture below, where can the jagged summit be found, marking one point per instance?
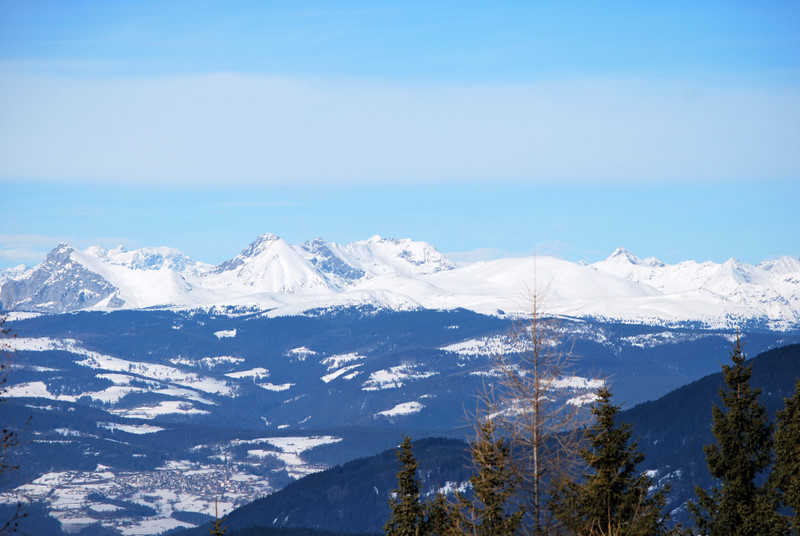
(782, 265)
(63, 282)
(622, 254)
(59, 251)
(256, 247)
(148, 258)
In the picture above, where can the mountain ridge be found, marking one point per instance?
(272, 274)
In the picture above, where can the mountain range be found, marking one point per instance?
(403, 274)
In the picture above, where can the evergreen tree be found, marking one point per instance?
(613, 498)
(494, 484)
(742, 453)
(216, 526)
(786, 474)
(408, 517)
(438, 517)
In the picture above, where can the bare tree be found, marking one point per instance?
(543, 427)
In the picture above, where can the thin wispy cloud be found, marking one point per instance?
(237, 129)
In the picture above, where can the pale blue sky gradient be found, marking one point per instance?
(670, 128)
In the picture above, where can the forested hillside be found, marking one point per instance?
(671, 433)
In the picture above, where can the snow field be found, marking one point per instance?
(393, 377)
(405, 408)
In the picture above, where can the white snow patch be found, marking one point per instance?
(225, 333)
(336, 361)
(273, 387)
(300, 353)
(406, 408)
(165, 407)
(255, 373)
(489, 346)
(583, 400)
(207, 362)
(130, 428)
(575, 382)
(336, 373)
(393, 378)
(451, 488)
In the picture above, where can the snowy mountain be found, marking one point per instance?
(270, 265)
(158, 258)
(769, 289)
(402, 274)
(65, 281)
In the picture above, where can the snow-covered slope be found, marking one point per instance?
(347, 265)
(388, 255)
(405, 274)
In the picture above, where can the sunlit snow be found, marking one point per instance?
(225, 333)
(405, 408)
(393, 377)
(403, 274)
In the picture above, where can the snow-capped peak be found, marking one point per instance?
(269, 264)
(623, 255)
(256, 247)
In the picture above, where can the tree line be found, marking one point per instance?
(755, 466)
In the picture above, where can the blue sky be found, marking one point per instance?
(504, 127)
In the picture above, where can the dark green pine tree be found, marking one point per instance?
(740, 506)
(216, 528)
(493, 485)
(613, 497)
(408, 517)
(438, 519)
(786, 473)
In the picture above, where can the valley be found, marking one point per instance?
(141, 420)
